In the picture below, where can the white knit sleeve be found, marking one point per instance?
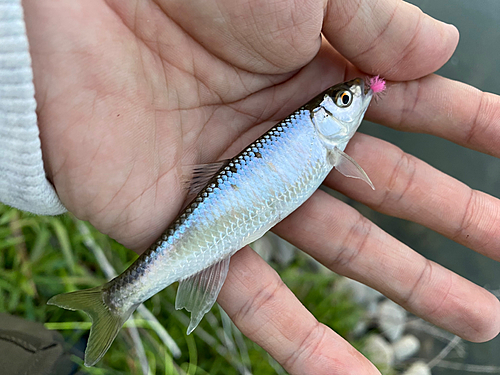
(22, 177)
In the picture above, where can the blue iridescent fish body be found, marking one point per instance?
(236, 205)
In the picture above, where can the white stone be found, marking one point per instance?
(360, 328)
(406, 348)
(418, 368)
(391, 319)
(271, 247)
(264, 247)
(379, 351)
(360, 293)
(372, 309)
(284, 252)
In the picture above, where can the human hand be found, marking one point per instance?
(130, 92)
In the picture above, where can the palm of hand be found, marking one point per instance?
(155, 99)
(130, 93)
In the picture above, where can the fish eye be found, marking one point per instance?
(343, 98)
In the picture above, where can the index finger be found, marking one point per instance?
(439, 106)
(268, 313)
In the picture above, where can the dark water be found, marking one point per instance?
(475, 62)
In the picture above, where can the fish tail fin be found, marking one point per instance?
(106, 322)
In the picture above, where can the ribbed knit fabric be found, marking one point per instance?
(22, 177)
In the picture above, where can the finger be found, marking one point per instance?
(343, 240)
(408, 188)
(268, 313)
(442, 107)
(389, 37)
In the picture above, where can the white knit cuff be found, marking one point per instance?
(22, 177)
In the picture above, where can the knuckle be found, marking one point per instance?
(468, 216)
(426, 280)
(353, 244)
(476, 123)
(400, 182)
(308, 349)
(412, 297)
(263, 297)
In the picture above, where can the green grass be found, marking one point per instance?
(44, 256)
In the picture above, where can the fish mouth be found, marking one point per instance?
(367, 88)
(367, 94)
(364, 89)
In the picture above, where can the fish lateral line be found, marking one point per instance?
(235, 202)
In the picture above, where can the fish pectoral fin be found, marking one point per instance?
(349, 168)
(198, 293)
(196, 177)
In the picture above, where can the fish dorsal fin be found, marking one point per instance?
(196, 177)
(198, 293)
(349, 168)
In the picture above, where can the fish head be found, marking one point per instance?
(338, 111)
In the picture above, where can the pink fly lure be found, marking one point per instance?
(377, 84)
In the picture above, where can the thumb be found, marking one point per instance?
(389, 37)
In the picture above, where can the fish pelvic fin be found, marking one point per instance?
(198, 293)
(106, 322)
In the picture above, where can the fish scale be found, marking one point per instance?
(238, 190)
(237, 205)
(199, 238)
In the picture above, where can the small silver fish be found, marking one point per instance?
(235, 204)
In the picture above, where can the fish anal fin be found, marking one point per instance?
(349, 168)
(198, 293)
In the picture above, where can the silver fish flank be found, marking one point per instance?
(234, 205)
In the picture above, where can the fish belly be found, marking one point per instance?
(257, 189)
